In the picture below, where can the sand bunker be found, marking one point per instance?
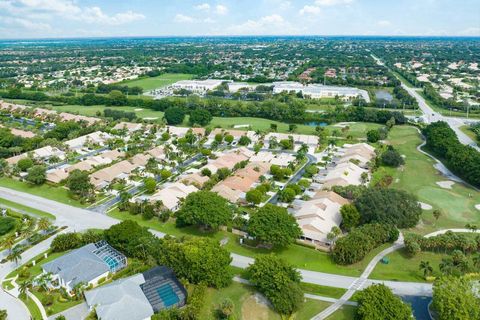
(446, 184)
(425, 206)
(343, 124)
(138, 109)
(477, 206)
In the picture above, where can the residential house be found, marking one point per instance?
(172, 193)
(85, 265)
(137, 297)
(317, 216)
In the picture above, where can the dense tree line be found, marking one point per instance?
(391, 206)
(460, 159)
(445, 243)
(360, 241)
(119, 114)
(285, 108)
(107, 88)
(454, 298)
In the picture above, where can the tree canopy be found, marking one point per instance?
(377, 302)
(395, 207)
(196, 259)
(206, 209)
(129, 238)
(454, 299)
(174, 115)
(278, 281)
(78, 182)
(274, 225)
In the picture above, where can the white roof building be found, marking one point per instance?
(318, 91)
(172, 193)
(317, 217)
(197, 86)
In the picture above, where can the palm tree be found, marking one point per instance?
(79, 289)
(9, 242)
(44, 224)
(426, 267)
(23, 287)
(15, 256)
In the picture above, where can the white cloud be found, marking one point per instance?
(472, 31)
(329, 3)
(267, 25)
(221, 9)
(209, 20)
(96, 15)
(384, 23)
(183, 18)
(202, 7)
(26, 24)
(35, 10)
(310, 10)
(285, 5)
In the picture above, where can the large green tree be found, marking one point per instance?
(130, 238)
(206, 209)
(278, 281)
(454, 299)
(391, 206)
(78, 182)
(200, 116)
(350, 216)
(377, 302)
(37, 174)
(196, 259)
(274, 225)
(174, 115)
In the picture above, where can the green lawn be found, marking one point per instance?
(157, 82)
(46, 191)
(298, 255)
(322, 290)
(22, 208)
(310, 308)
(402, 267)
(246, 308)
(468, 132)
(32, 308)
(419, 177)
(344, 313)
(93, 110)
(59, 304)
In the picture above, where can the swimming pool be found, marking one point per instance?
(168, 296)
(112, 263)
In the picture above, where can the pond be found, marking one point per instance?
(383, 95)
(419, 306)
(316, 124)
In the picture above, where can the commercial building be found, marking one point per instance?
(318, 91)
(197, 86)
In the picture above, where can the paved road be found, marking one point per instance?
(433, 116)
(15, 308)
(103, 207)
(78, 219)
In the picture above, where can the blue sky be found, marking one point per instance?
(97, 18)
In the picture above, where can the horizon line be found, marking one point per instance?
(239, 36)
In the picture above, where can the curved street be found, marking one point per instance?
(77, 219)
